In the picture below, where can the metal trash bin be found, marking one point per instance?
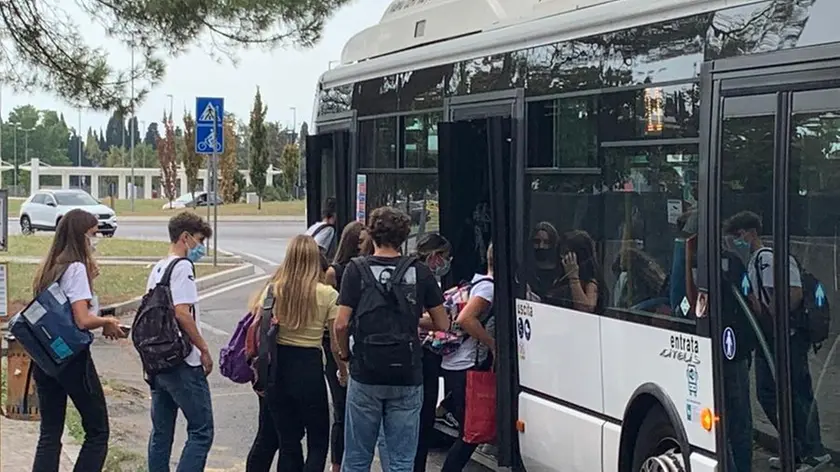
(21, 395)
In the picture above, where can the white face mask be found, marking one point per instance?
(93, 242)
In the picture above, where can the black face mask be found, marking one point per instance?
(542, 254)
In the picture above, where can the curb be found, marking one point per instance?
(223, 258)
(222, 218)
(204, 283)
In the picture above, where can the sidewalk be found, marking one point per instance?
(17, 446)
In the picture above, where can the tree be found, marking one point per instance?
(290, 165)
(94, 154)
(191, 160)
(227, 163)
(152, 135)
(259, 150)
(166, 157)
(44, 48)
(115, 132)
(116, 157)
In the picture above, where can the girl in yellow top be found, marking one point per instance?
(296, 400)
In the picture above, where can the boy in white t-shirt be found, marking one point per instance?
(324, 230)
(745, 229)
(184, 388)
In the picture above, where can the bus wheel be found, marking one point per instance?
(657, 449)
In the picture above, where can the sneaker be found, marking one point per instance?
(449, 420)
(813, 463)
(806, 465)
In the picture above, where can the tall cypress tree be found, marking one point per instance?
(258, 148)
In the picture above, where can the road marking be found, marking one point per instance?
(228, 288)
(261, 259)
(213, 329)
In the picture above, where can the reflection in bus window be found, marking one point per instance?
(814, 201)
(634, 207)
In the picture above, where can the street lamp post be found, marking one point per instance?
(171, 102)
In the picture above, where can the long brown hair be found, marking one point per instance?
(348, 246)
(295, 283)
(69, 245)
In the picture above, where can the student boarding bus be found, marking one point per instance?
(687, 152)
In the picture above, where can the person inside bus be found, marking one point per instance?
(348, 247)
(640, 282)
(476, 352)
(745, 229)
(543, 279)
(582, 273)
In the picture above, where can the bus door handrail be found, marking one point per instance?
(762, 341)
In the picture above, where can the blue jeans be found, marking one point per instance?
(393, 409)
(185, 389)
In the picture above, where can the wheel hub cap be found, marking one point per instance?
(670, 461)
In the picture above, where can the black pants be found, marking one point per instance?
(80, 382)
(266, 444)
(297, 404)
(455, 382)
(431, 378)
(339, 400)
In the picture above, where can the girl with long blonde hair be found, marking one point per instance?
(295, 402)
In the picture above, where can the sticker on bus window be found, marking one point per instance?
(729, 344)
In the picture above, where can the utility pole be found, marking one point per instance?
(294, 141)
(16, 128)
(171, 102)
(133, 124)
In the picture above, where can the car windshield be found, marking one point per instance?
(75, 199)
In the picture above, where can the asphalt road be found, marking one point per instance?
(235, 406)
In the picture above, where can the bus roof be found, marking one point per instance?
(457, 30)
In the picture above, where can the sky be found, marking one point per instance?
(286, 77)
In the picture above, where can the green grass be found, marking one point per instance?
(73, 422)
(116, 283)
(154, 207)
(39, 244)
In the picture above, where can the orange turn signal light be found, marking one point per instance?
(707, 419)
(520, 426)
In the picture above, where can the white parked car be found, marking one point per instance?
(186, 201)
(44, 209)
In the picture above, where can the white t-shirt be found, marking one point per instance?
(324, 238)
(464, 357)
(184, 292)
(764, 256)
(74, 283)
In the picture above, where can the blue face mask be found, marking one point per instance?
(443, 268)
(741, 244)
(197, 252)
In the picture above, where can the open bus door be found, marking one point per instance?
(477, 189)
(329, 171)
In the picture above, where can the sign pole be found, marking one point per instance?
(210, 141)
(214, 186)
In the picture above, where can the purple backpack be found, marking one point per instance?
(233, 362)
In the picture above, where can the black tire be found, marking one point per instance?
(656, 437)
(26, 225)
(108, 235)
(57, 221)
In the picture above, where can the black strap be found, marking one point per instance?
(266, 343)
(171, 267)
(322, 228)
(393, 288)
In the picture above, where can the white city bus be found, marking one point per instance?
(627, 131)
